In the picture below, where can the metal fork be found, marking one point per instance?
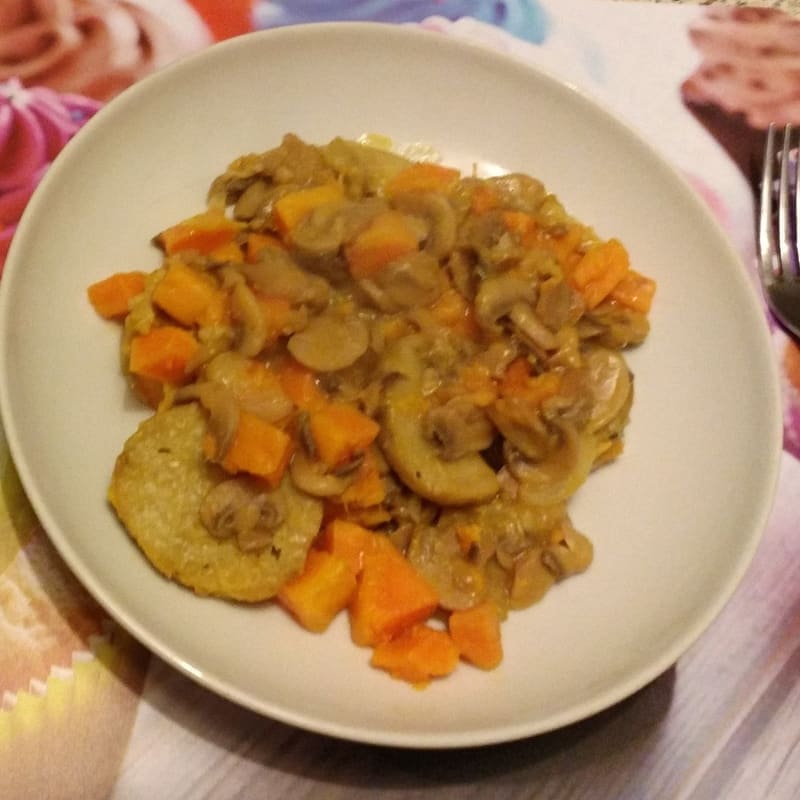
(778, 229)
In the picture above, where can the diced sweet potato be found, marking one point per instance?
(290, 209)
(417, 655)
(519, 381)
(258, 448)
(388, 237)
(163, 353)
(277, 312)
(453, 310)
(203, 232)
(422, 176)
(522, 223)
(476, 633)
(390, 597)
(634, 291)
(323, 589)
(111, 296)
(483, 199)
(348, 541)
(228, 252)
(368, 487)
(600, 269)
(190, 296)
(257, 243)
(340, 430)
(301, 386)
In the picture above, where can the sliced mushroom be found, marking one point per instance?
(461, 268)
(551, 213)
(377, 296)
(252, 200)
(413, 281)
(365, 168)
(437, 554)
(518, 191)
(441, 218)
(573, 552)
(531, 579)
(223, 414)
(573, 402)
(497, 295)
(610, 385)
(257, 521)
(558, 304)
(253, 333)
(314, 477)
(410, 453)
(275, 273)
(521, 423)
(241, 508)
(613, 326)
(325, 229)
(497, 356)
(214, 339)
(531, 329)
(330, 342)
(321, 232)
(459, 427)
(256, 389)
(556, 478)
(487, 237)
(220, 506)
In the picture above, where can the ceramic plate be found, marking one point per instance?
(674, 522)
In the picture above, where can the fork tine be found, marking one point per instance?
(765, 240)
(784, 201)
(778, 231)
(787, 205)
(796, 216)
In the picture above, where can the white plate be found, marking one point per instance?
(675, 521)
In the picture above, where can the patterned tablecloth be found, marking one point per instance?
(790, 6)
(73, 685)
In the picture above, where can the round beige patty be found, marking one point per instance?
(158, 484)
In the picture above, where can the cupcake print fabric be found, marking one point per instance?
(72, 682)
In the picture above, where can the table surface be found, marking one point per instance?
(724, 722)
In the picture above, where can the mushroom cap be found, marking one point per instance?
(412, 455)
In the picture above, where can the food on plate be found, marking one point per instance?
(377, 383)
(232, 538)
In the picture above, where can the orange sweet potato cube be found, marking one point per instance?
(390, 597)
(476, 632)
(417, 655)
(339, 430)
(190, 296)
(388, 237)
(290, 209)
(111, 296)
(323, 589)
(203, 232)
(347, 540)
(258, 448)
(163, 353)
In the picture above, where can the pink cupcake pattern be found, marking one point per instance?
(747, 77)
(35, 124)
(94, 47)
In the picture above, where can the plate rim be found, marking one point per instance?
(36, 493)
